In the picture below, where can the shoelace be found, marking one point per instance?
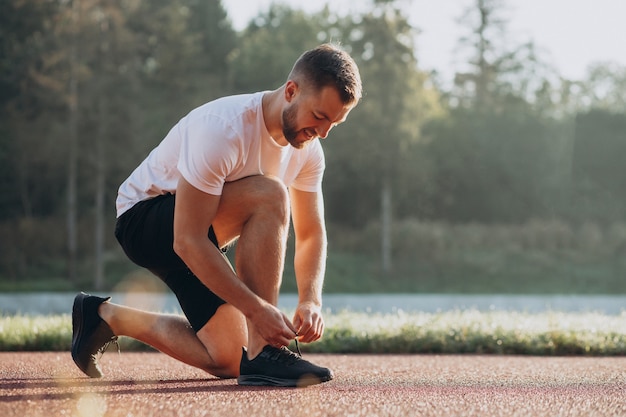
(104, 347)
(286, 355)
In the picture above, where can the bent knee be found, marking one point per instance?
(268, 193)
(223, 337)
(271, 189)
(225, 365)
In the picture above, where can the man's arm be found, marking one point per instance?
(307, 210)
(194, 213)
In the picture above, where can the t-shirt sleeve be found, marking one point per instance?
(209, 151)
(310, 176)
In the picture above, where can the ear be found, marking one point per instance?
(291, 90)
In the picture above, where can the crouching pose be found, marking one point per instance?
(239, 168)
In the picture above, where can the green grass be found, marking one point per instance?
(471, 331)
(453, 332)
(35, 333)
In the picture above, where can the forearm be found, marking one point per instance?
(310, 267)
(209, 266)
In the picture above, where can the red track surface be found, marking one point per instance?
(151, 384)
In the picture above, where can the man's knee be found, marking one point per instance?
(223, 337)
(267, 194)
(273, 192)
(225, 365)
(255, 197)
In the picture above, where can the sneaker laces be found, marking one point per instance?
(105, 346)
(286, 355)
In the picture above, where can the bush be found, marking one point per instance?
(539, 256)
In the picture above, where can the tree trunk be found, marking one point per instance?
(386, 223)
(72, 147)
(100, 165)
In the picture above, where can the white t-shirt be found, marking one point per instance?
(221, 141)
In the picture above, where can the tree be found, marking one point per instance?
(25, 95)
(386, 123)
(184, 67)
(494, 168)
(113, 78)
(358, 183)
(209, 22)
(32, 105)
(598, 170)
(270, 45)
(495, 66)
(496, 156)
(603, 88)
(82, 104)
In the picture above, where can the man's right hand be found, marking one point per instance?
(273, 326)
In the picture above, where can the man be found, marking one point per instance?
(235, 169)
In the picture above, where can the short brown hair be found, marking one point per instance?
(328, 65)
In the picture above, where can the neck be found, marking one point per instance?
(272, 114)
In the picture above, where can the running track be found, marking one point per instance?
(151, 384)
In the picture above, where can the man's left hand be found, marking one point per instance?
(309, 322)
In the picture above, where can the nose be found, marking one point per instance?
(323, 130)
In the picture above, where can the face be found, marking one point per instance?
(290, 120)
(311, 116)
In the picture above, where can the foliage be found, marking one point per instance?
(493, 167)
(387, 121)
(534, 257)
(598, 172)
(270, 45)
(509, 143)
(494, 67)
(451, 332)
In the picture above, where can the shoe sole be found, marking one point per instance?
(265, 380)
(77, 325)
(77, 334)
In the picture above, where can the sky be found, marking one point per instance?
(569, 34)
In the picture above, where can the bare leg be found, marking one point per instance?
(172, 335)
(255, 210)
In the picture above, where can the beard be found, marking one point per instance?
(289, 126)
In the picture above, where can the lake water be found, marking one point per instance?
(57, 303)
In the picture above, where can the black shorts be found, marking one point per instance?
(146, 233)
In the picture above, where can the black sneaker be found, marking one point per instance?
(91, 335)
(280, 368)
